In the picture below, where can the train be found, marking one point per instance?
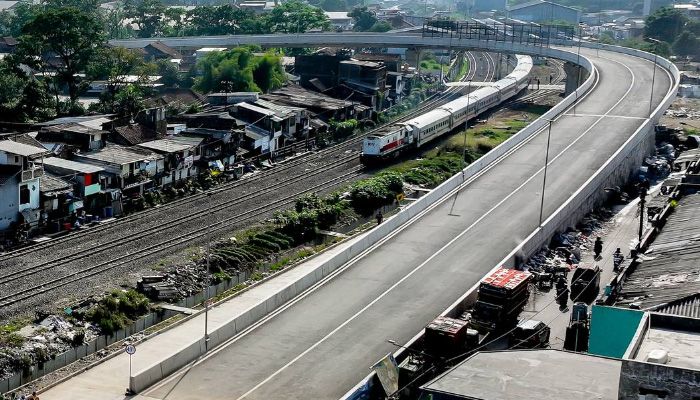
(393, 140)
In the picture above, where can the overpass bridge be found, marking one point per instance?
(319, 345)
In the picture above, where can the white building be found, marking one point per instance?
(20, 174)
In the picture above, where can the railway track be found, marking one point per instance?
(281, 170)
(21, 282)
(559, 76)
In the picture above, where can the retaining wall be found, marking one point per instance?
(614, 172)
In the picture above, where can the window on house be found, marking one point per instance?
(24, 194)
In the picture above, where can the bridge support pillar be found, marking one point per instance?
(575, 76)
(413, 56)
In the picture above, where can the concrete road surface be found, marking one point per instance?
(321, 345)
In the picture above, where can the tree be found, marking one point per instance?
(334, 5)
(22, 97)
(12, 22)
(664, 24)
(68, 34)
(147, 15)
(294, 16)
(380, 26)
(216, 20)
(239, 70)
(686, 44)
(128, 101)
(86, 6)
(268, 72)
(170, 75)
(364, 19)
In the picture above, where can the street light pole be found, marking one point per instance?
(466, 122)
(207, 281)
(464, 149)
(544, 180)
(653, 75)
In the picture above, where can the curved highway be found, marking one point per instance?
(320, 345)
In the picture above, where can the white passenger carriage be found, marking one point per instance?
(414, 133)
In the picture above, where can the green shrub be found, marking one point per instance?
(265, 244)
(372, 193)
(117, 309)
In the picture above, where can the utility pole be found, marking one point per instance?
(642, 203)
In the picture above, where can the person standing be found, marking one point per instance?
(598, 247)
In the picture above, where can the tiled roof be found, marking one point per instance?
(52, 185)
(135, 134)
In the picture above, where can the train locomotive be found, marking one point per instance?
(395, 139)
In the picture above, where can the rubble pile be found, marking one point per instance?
(178, 282)
(39, 342)
(564, 251)
(683, 112)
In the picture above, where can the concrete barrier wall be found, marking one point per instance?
(615, 171)
(158, 371)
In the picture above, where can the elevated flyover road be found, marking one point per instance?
(319, 345)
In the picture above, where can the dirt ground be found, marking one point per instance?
(684, 114)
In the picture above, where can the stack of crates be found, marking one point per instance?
(501, 298)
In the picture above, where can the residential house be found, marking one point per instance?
(214, 119)
(130, 169)
(258, 7)
(366, 81)
(321, 107)
(81, 137)
(160, 51)
(88, 180)
(179, 156)
(57, 202)
(133, 134)
(340, 20)
(230, 98)
(218, 147)
(295, 124)
(268, 126)
(8, 6)
(7, 45)
(20, 175)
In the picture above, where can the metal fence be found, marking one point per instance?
(61, 360)
(530, 34)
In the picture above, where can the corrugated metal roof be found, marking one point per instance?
(121, 155)
(256, 109)
(166, 145)
(21, 149)
(71, 165)
(671, 268)
(685, 307)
